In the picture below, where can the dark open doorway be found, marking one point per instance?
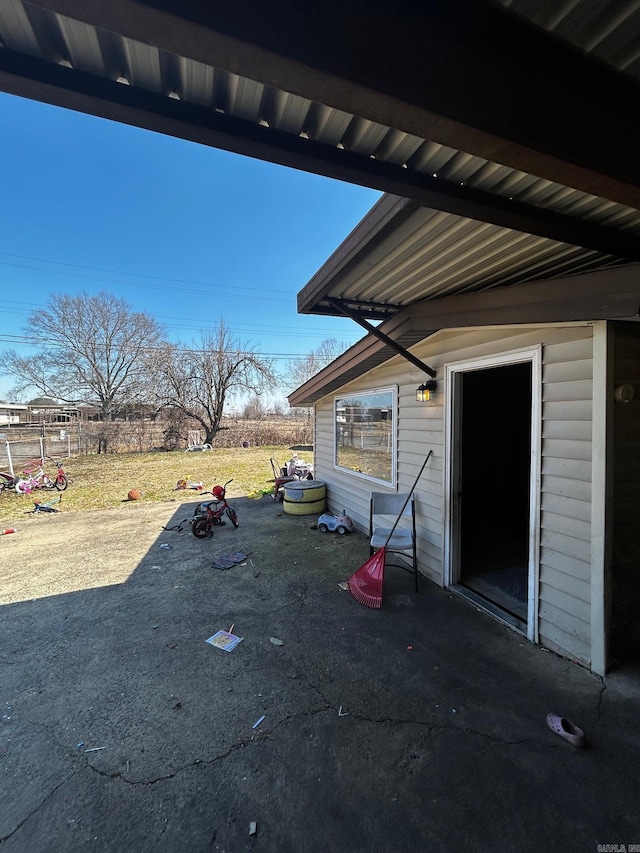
(494, 486)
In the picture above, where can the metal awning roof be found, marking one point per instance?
(504, 132)
(612, 293)
(518, 166)
(319, 86)
(402, 252)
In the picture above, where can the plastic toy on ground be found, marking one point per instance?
(339, 523)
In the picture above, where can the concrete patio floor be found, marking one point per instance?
(417, 727)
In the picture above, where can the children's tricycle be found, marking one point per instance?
(340, 523)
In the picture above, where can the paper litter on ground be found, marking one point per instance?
(224, 640)
(226, 561)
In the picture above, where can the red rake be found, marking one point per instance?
(365, 584)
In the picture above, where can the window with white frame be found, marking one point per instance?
(365, 434)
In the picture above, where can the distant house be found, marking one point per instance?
(53, 412)
(13, 413)
(43, 411)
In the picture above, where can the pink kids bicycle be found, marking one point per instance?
(35, 477)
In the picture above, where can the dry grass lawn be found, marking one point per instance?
(100, 482)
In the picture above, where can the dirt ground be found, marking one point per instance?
(61, 553)
(417, 726)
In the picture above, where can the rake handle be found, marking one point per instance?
(404, 506)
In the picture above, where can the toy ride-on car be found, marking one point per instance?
(340, 523)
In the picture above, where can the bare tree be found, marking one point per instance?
(277, 407)
(255, 409)
(300, 370)
(199, 380)
(92, 349)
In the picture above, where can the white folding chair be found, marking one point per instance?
(384, 510)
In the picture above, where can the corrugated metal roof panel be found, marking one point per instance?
(244, 98)
(608, 30)
(144, 66)
(286, 112)
(448, 253)
(363, 136)
(114, 56)
(397, 147)
(326, 124)
(16, 31)
(197, 81)
(54, 36)
(433, 254)
(81, 45)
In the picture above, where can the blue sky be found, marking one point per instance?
(188, 233)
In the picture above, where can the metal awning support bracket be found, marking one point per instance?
(343, 308)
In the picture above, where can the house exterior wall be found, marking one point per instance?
(625, 627)
(565, 476)
(13, 414)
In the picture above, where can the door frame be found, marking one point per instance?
(533, 355)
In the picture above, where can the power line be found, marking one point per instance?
(120, 272)
(263, 329)
(182, 349)
(224, 290)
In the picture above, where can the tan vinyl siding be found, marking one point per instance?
(568, 641)
(565, 517)
(567, 469)
(569, 488)
(568, 429)
(565, 520)
(556, 568)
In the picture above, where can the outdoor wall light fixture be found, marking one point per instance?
(424, 392)
(624, 393)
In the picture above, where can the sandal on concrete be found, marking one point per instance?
(566, 729)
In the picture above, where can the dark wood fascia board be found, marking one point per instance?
(338, 381)
(32, 77)
(37, 79)
(600, 295)
(463, 73)
(605, 294)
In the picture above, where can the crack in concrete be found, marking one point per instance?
(195, 763)
(318, 690)
(256, 737)
(401, 722)
(431, 727)
(309, 713)
(37, 808)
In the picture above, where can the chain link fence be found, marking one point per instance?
(20, 449)
(25, 444)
